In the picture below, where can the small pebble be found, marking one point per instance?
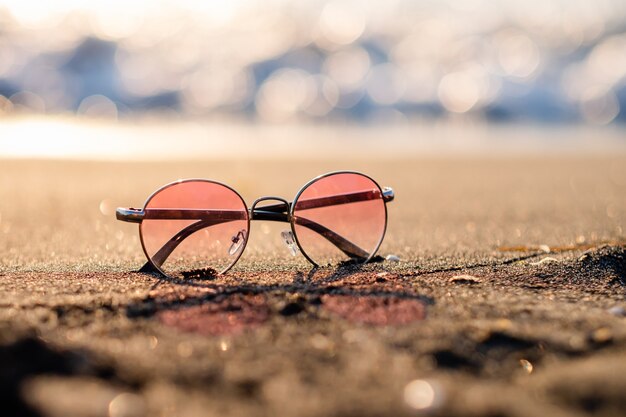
(618, 311)
(544, 248)
(502, 324)
(393, 258)
(545, 260)
(526, 365)
(465, 279)
(380, 277)
(602, 335)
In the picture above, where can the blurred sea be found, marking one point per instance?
(551, 61)
(153, 139)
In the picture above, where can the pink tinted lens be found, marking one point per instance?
(340, 216)
(194, 229)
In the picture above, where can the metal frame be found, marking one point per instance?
(282, 212)
(150, 266)
(386, 198)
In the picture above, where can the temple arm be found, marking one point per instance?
(347, 247)
(166, 250)
(333, 200)
(206, 218)
(343, 244)
(134, 215)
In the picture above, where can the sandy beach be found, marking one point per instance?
(508, 298)
(499, 289)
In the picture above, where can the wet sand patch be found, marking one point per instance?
(375, 310)
(230, 315)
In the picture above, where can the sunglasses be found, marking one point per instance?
(199, 228)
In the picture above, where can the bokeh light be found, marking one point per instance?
(421, 394)
(279, 61)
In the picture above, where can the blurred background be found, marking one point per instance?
(549, 61)
(265, 95)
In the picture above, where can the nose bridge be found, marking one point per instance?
(275, 212)
(270, 198)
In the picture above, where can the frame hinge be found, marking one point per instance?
(131, 215)
(388, 194)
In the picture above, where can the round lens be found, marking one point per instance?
(194, 229)
(339, 216)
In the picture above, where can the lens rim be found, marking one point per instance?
(174, 183)
(311, 182)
